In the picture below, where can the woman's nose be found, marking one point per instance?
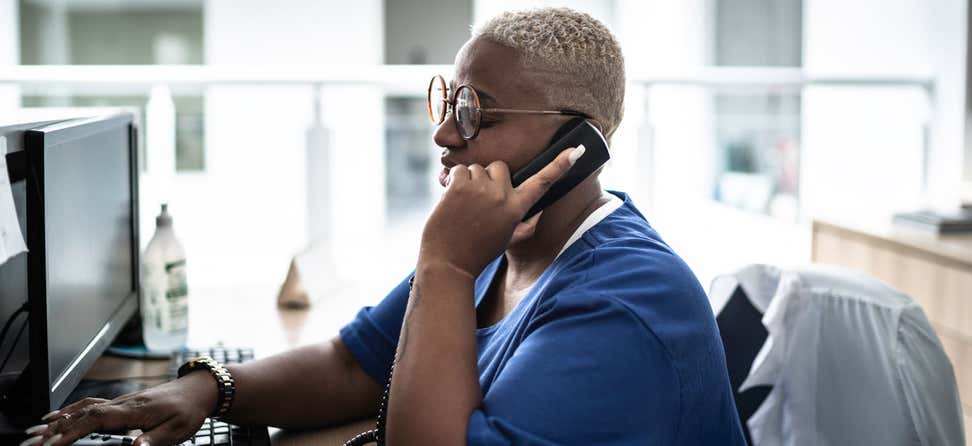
(447, 134)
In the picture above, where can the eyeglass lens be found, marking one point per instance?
(467, 112)
(437, 98)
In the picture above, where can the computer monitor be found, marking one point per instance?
(75, 183)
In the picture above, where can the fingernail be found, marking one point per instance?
(32, 441)
(50, 415)
(35, 429)
(53, 440)
(577, 153)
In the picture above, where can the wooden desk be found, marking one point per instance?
(249, 317)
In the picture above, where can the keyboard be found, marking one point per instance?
(222, 355)
(213, 432)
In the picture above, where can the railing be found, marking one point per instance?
(160, 83)
(395, 79)
(398, 80)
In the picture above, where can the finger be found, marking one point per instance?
(92, 418)
(477, 172)
(525, 229)
(457, 173)
(72, 408)
(499, 171)
(534, 187)
(172, 431)
(54, 421)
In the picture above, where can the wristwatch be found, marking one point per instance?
(224, 381)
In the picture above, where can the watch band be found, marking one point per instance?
(224, 381)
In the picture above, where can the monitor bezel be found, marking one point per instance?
(38, 142)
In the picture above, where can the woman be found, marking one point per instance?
(576, 326)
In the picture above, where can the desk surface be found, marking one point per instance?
(249, 317)
(955, 248)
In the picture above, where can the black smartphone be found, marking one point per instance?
(575, 132)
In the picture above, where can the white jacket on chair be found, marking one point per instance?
(851, 362)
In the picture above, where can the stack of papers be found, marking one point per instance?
(939, 221)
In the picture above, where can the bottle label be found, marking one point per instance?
(176, 296)
(152, 307)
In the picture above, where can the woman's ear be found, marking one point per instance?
(600, 127)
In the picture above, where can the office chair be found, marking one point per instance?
(842, 359)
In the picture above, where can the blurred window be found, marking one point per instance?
(425, 31)
(757, 134)
(96, 32)
(417, 32)
(410, 156)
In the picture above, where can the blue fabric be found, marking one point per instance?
(616, 343)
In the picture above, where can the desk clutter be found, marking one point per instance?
(937, 221)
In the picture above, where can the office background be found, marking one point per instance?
(744, 119)
(278, 128)
(298, 128)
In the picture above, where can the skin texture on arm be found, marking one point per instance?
(436, 382)
(311, 386)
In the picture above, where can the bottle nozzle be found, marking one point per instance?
(164, 219)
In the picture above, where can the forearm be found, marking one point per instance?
(435, 386)
(311, 386)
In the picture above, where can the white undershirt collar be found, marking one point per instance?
(594, 218)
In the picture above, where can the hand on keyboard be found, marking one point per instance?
(167, 414)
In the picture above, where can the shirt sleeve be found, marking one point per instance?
(571, 381)
(927, 380)
(372, 336)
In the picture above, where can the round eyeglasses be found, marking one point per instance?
(466, 109)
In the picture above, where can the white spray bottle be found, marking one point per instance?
(165, 294)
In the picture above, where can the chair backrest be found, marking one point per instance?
(848, 360)
(743, 335)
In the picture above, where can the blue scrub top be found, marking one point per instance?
(615, 343)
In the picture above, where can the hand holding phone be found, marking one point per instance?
(482, 206)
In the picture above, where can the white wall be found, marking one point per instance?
(863, 149)
(9, 51)
(254, 133)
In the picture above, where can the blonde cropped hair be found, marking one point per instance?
(577, 57)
